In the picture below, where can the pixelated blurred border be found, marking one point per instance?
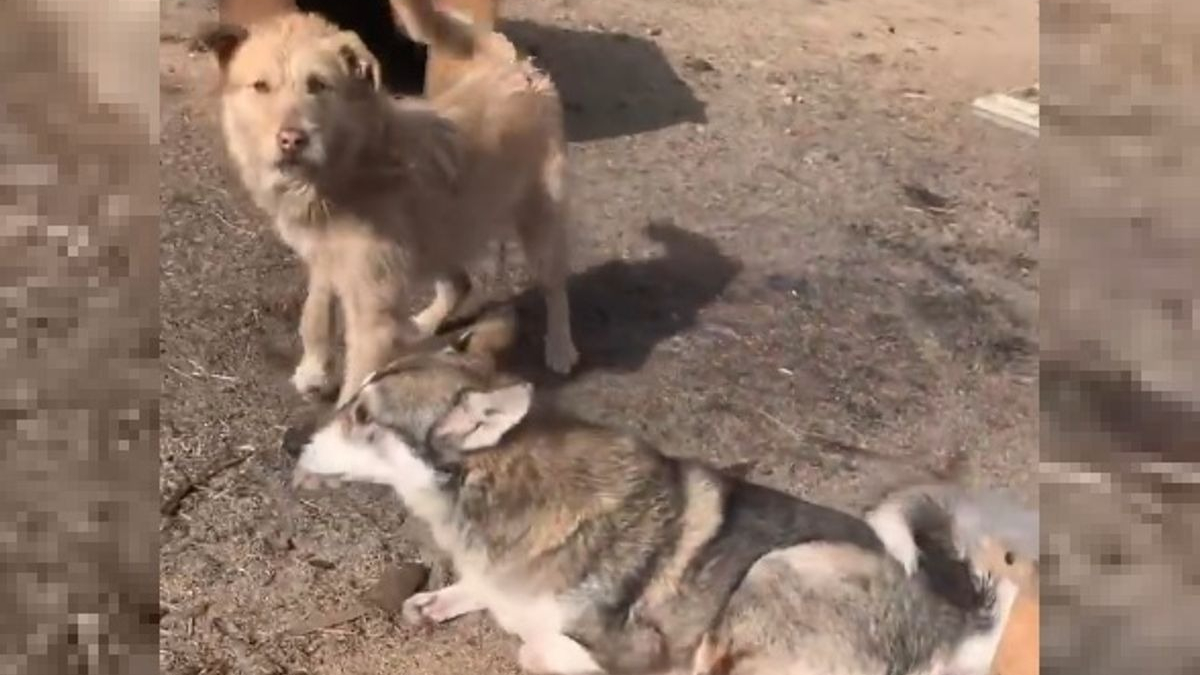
(78, 408)
(78, 190)
(1120, 311)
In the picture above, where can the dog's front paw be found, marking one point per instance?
(439, 606)
(561, 356)
(314, 380)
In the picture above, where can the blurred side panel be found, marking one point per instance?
(79, 340)
(1120, 385)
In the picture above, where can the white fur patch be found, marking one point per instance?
(891, 526)
(556, 654)
(332, 453)
(369, 456)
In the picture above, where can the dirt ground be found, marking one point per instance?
(796, 249)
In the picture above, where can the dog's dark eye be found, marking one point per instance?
(262, 87)
(316, 85)
(1009, 558)
(362, 416)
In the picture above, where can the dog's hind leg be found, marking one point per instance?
(448, 292)
(541, 226)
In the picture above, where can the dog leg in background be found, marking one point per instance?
(543, 235)
(445, 67)
(447, 295)
(482, 13)
(313, 376)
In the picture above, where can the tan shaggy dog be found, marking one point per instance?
(374, 192)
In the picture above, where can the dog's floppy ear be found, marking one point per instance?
(480, 418)
(223, 40)
(359, 61)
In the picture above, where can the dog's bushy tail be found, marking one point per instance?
(937, 533)
(456, 34)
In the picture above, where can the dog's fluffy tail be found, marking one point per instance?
(941, 535)
(452, 32)
(915, 522)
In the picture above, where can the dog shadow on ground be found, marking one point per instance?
(620, 310)
(612, 84)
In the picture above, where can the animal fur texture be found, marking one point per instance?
(604, 555)
(449, 61)
(926, 526)
(374, 193)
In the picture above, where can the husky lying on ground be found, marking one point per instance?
(603, 555)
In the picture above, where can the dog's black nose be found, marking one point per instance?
(292, 140)
(296, 437)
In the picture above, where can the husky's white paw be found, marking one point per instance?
(439, 606)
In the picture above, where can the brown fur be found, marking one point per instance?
(1019, 652)
(390, 191)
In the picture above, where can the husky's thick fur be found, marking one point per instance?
(374, 192)
(604, 555)
(956, 540)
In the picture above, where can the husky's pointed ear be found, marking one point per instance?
(480, 419)
(493, 333)
(360, 63)
(223, 40)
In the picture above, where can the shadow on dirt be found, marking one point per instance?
(621, 309)
(612, 84)
(968, 319)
